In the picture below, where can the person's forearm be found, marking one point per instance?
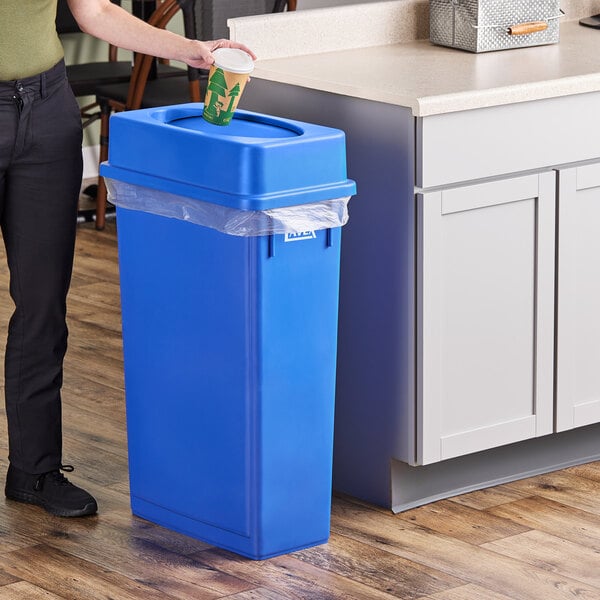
(107, 21)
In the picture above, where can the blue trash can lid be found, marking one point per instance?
(239, 128)
(255, 163)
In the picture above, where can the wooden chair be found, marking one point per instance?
(84, 78)
(142, 92)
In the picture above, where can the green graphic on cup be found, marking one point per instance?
(226, 82)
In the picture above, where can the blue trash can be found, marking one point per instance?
(229, 322)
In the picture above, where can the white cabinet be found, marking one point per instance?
(485, 315)
(446, 345)
(578, 298)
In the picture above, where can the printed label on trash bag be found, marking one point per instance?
(300, 221)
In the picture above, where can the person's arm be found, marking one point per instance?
(109, 22)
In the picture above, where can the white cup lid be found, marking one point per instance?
(233, 60)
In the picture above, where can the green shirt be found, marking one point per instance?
(29, 43)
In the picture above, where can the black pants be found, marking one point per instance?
(40, 177)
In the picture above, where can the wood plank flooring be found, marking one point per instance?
(535, 539)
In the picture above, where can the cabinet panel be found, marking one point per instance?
(485, 303)
(578, 317)
(489, 146)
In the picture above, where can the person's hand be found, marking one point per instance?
(201, 55)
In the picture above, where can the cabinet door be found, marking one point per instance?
(485, 315)
(578, 310)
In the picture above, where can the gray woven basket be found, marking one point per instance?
(486, 25)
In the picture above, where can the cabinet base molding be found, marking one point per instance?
(416, 486)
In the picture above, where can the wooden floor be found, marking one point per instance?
(537, 539)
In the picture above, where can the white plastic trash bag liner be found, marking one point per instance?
(290, 219)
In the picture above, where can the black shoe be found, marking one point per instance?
(52, 491)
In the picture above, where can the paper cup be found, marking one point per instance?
(226, 81)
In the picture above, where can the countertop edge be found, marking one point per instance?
(425, 106)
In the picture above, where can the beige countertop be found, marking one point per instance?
(433, 80)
